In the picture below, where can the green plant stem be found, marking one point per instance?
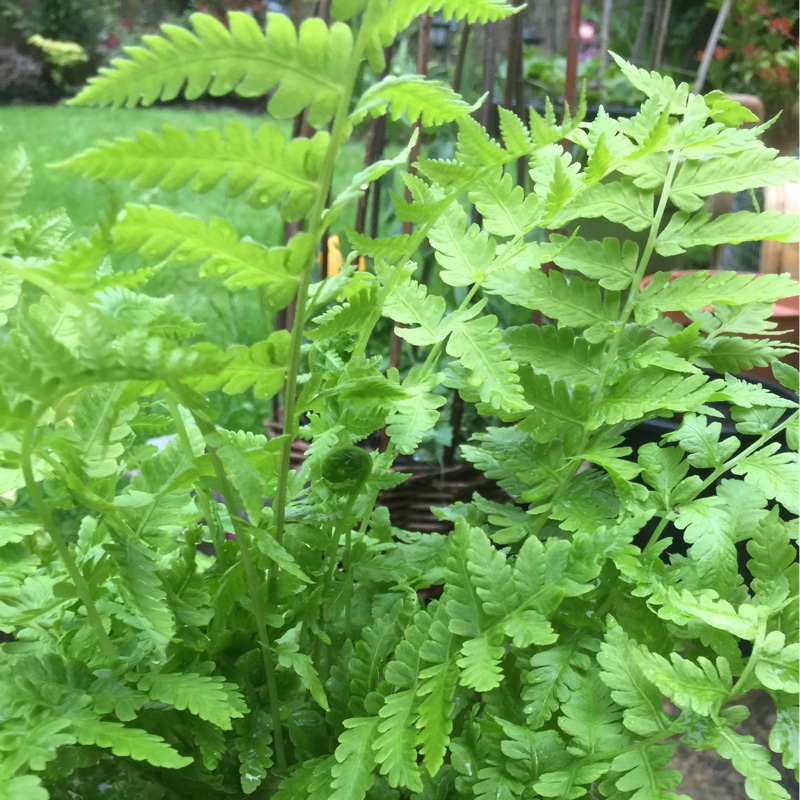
(344, 526)
(315, 231)
(217, 533)
(46, 518)
(721, 470)
(251, 577)
(751, 662)
(613, 348)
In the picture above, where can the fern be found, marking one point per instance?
(307, 65)
(157, 233)
(206, 696)
(253, 748)
(686, 231)
(430, 102)
(262, 166)
(15, 177)
(133, 742)
(353, 772)
(139, 584)
(475, 343)
(752, 761)
(201, 602)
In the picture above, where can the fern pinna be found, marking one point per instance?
(201, 621)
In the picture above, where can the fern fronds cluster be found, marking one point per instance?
(186, 616)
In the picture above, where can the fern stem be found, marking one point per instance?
(46, 518)
(751, 662)
(251, 577)
(315, 218)
(217, 533)
(613, 348)
(720, 471)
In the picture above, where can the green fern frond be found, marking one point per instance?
(645, 775)
(629, 687)
(612, 265)
(308, 65)
(557, 411)
(570, 784)
(15, 177)
(399, 15)
(253, 748)
(505, 208)
(711, 527)
(750, 169)
(346, 318)
(555, 674)
(99, 426)
(262, 367)
(27, 786)
(396, 744)
(414, 416)
(262, 166)
(438, 688)
(702, 687)
(355, 760)
(572, 301)
(43, 236)
(132, 742)
(409, 303)
(157, 233)
(431, 102)
(684, 230)
(376, 643)
(465, 253)
(761, 779)
(772, 555)
(653, 84)
(623, 202)
(557, 352)
(142, 591)
(476, 343)
(638, 395)
(207, 696)
(693, 291)
(592, 719)
(475, 146)
(774, 473)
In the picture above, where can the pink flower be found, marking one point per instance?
(586, 31)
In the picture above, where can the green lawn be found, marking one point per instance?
(53, 133)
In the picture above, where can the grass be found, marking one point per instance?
(50, 134)
(54, 133)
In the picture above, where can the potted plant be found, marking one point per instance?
(203, 621)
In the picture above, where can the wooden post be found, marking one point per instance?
(645, 23)
(573, 24)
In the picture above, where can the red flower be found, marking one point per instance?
(764, 9)
(719, 53)
(749, 49)
(766, 74)
(126, 23)
(782, 25)
(783, 74)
